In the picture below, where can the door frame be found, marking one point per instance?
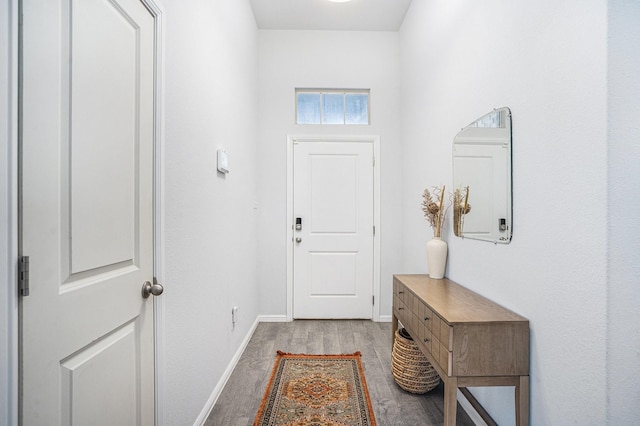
(158, 205)
(9, 214)
(9, 182)
(375, 140)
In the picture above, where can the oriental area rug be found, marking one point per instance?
(314, 390)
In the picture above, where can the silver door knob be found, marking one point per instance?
(148, 288)
(298, 240)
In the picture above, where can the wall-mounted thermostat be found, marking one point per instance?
(223, 161)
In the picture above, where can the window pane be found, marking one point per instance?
(333, 108)
(357, 109)
(493, 120)
(308, 108)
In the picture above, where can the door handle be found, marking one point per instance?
(298, 240)
(148, 288)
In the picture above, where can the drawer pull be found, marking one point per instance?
(426, 340)
(426, 318)
(400, 309)
(400, 292)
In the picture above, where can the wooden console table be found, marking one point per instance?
(469, 340)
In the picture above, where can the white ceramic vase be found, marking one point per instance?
(436, 257)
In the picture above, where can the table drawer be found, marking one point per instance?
(400, 310)
(409, 300)
(425, 338)
(425, 315)
(446, 333)
(444, 358)
(441, 331)
(399, 290)
(440, 354)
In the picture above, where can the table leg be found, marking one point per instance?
(450, 401)
(522, 402)
(394, 327)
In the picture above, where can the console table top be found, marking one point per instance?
(455, 303)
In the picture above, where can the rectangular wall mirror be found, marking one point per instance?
(482, 174)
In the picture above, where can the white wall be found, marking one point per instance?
(547, 62)
(325, 59)
(623, 339)
(210, 81)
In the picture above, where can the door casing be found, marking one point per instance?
(9, 213)
(375, 140)
(158, 205)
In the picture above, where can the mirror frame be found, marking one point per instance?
(488, 139)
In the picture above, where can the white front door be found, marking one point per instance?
(481, 166)
(333, 229)
(87, 212)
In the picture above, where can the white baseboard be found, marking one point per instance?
(384, 318)
(471, 412)
(204, 414)
(272, 318)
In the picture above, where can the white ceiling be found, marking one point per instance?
(355, 15)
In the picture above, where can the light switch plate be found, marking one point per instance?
(223, 161)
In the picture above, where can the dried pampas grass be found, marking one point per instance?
(434, 209)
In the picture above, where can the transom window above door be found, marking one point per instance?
(332, 106)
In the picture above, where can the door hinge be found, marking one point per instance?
(373, 300)
(374, 161)
(374, 230)
(23, 276)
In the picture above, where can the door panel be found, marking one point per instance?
(332, 274)
(102, 231)
(333, 260)
(97, 364)
(333, 193)
(87, 213)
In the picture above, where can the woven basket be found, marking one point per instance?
(410, 368)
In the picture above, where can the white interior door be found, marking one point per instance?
(333, 247)
(87, 212)
(482, 168)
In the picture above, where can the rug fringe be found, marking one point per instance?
(281, 353)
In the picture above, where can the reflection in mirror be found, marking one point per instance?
(461, 208)
(482, 204)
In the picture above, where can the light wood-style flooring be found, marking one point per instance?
(240, 399)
